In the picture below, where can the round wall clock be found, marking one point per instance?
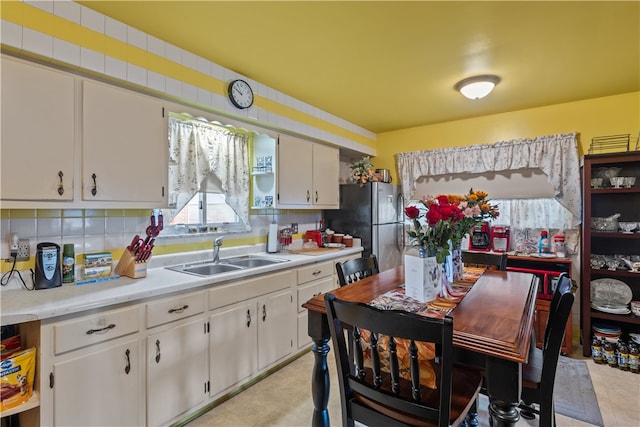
(240, 94)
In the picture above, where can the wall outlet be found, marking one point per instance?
(23, 250)
(294, 228)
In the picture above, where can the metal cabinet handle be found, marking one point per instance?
(248, 318)
(308, 196)
(179, 310)
(264, 312)
(157, 351)
(127, 368)
(60, 184)
(315, 273)
(105, 329)
(316, 196)
(94, 186)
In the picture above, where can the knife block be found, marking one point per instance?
(127, 266)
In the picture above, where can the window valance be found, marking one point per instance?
(198, 148)
(555, 155)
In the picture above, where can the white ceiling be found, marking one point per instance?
(388, 65)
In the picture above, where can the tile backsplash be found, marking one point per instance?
(94, 230)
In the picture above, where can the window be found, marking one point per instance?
(207, 211)
(208, 175)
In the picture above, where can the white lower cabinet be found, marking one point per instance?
(232, 344)
(91, 370)
(176, 356)
(275, 329)
(176, 371)
(98, 388)
(251, 335)
(312, 280)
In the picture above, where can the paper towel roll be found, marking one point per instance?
(272, 239)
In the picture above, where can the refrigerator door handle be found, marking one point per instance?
(400, 242)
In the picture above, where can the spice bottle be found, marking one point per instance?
(634, 358)
(610, 354)
(68, 263)
(596, 351)
(544, 247)
(623, 356)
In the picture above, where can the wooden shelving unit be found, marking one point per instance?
(604, 202)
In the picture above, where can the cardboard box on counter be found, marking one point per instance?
(93, 272)
(100, 259)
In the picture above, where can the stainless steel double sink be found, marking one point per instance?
(226, 265)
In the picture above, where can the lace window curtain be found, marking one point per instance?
(198, 148)
(555, 155)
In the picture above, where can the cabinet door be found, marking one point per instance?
(37, 133)
(326, 176)
(275, 327)
(176, 371)
(232, 345)
(124, 146)
(295, 163)
(99, 388)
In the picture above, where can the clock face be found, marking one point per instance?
(240, 94)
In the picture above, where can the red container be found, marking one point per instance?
(500, 238)
(314, 235)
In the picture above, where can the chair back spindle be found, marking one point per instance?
(356, 269)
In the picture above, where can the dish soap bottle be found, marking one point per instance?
(544, 247)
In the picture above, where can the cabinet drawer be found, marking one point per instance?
(99, 327)
(222, 295)
(309, 290)
(315, 271)
(175, 308)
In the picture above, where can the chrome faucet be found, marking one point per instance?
(216, 248)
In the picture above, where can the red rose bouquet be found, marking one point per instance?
(448, 219)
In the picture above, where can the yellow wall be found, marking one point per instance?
(611, 115)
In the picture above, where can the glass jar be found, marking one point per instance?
(596, 351)
(623, 356)
(610, 354)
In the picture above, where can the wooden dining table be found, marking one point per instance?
(491, 329)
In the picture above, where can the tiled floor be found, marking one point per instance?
(618, 394)
(283, 399)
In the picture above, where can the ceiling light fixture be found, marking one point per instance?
(478, 86)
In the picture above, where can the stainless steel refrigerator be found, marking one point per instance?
(374, 213)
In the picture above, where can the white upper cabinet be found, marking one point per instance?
(37, 154)
(326, 176)
(125, 149)
(294, 172)
(308, 174)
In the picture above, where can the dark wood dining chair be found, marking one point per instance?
(538, 375)
(356, 269)
(485, 259)
(380, 389)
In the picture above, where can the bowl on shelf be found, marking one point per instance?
(629, 181)
(617, 181)
(596, 182)
(627, 227)
(604, 224)
(607, 172)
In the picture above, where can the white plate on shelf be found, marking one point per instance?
(610, 308)
(544, 255)
(611, 291)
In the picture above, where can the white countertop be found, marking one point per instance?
(20, 305)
